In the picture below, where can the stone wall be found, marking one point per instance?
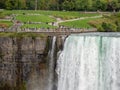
(21, 58)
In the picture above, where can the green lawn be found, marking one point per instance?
(79, 23)
(68, 14)
(5, 24)
(44, 17)
(34, 18)
(2, 15)
(37, 26)
(60, 14)
(72, 15)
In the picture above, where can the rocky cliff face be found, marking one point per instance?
(24, 60)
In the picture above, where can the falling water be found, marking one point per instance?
(51, 65)
(90, 63)
(38, 82)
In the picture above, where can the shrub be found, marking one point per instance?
(118, 26)
(109, 27)
(113, 27)
(100, 29)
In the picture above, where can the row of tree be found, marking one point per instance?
(82, 5)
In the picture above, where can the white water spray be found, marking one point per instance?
(89, 63)
(51, 65)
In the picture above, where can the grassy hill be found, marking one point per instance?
(28, 17)
(109, 23)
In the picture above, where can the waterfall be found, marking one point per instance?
(90, 63)
(51, 65)
(37, 81)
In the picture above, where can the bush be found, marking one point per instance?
(109, 27)
(100, 29)
(118, 26)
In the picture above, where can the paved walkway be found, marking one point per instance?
(61, 21)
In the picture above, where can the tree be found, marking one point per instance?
(30, 4)
(2, 3)
(43, 4)
(11, 4)
(68, 5)
(114, 5)
(99, 5)
(60, 4)
(53, 4)
(81, 5)
(36, 4)
(21, 4)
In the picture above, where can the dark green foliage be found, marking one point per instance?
(6, 86)
(2, 3)
(109, 27)
(118, 25)
(100, 28)
(11, 4)
(108, 24)
(84, 5)
(68, 5)
(98, 5)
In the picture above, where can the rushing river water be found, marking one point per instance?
(90, 62)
